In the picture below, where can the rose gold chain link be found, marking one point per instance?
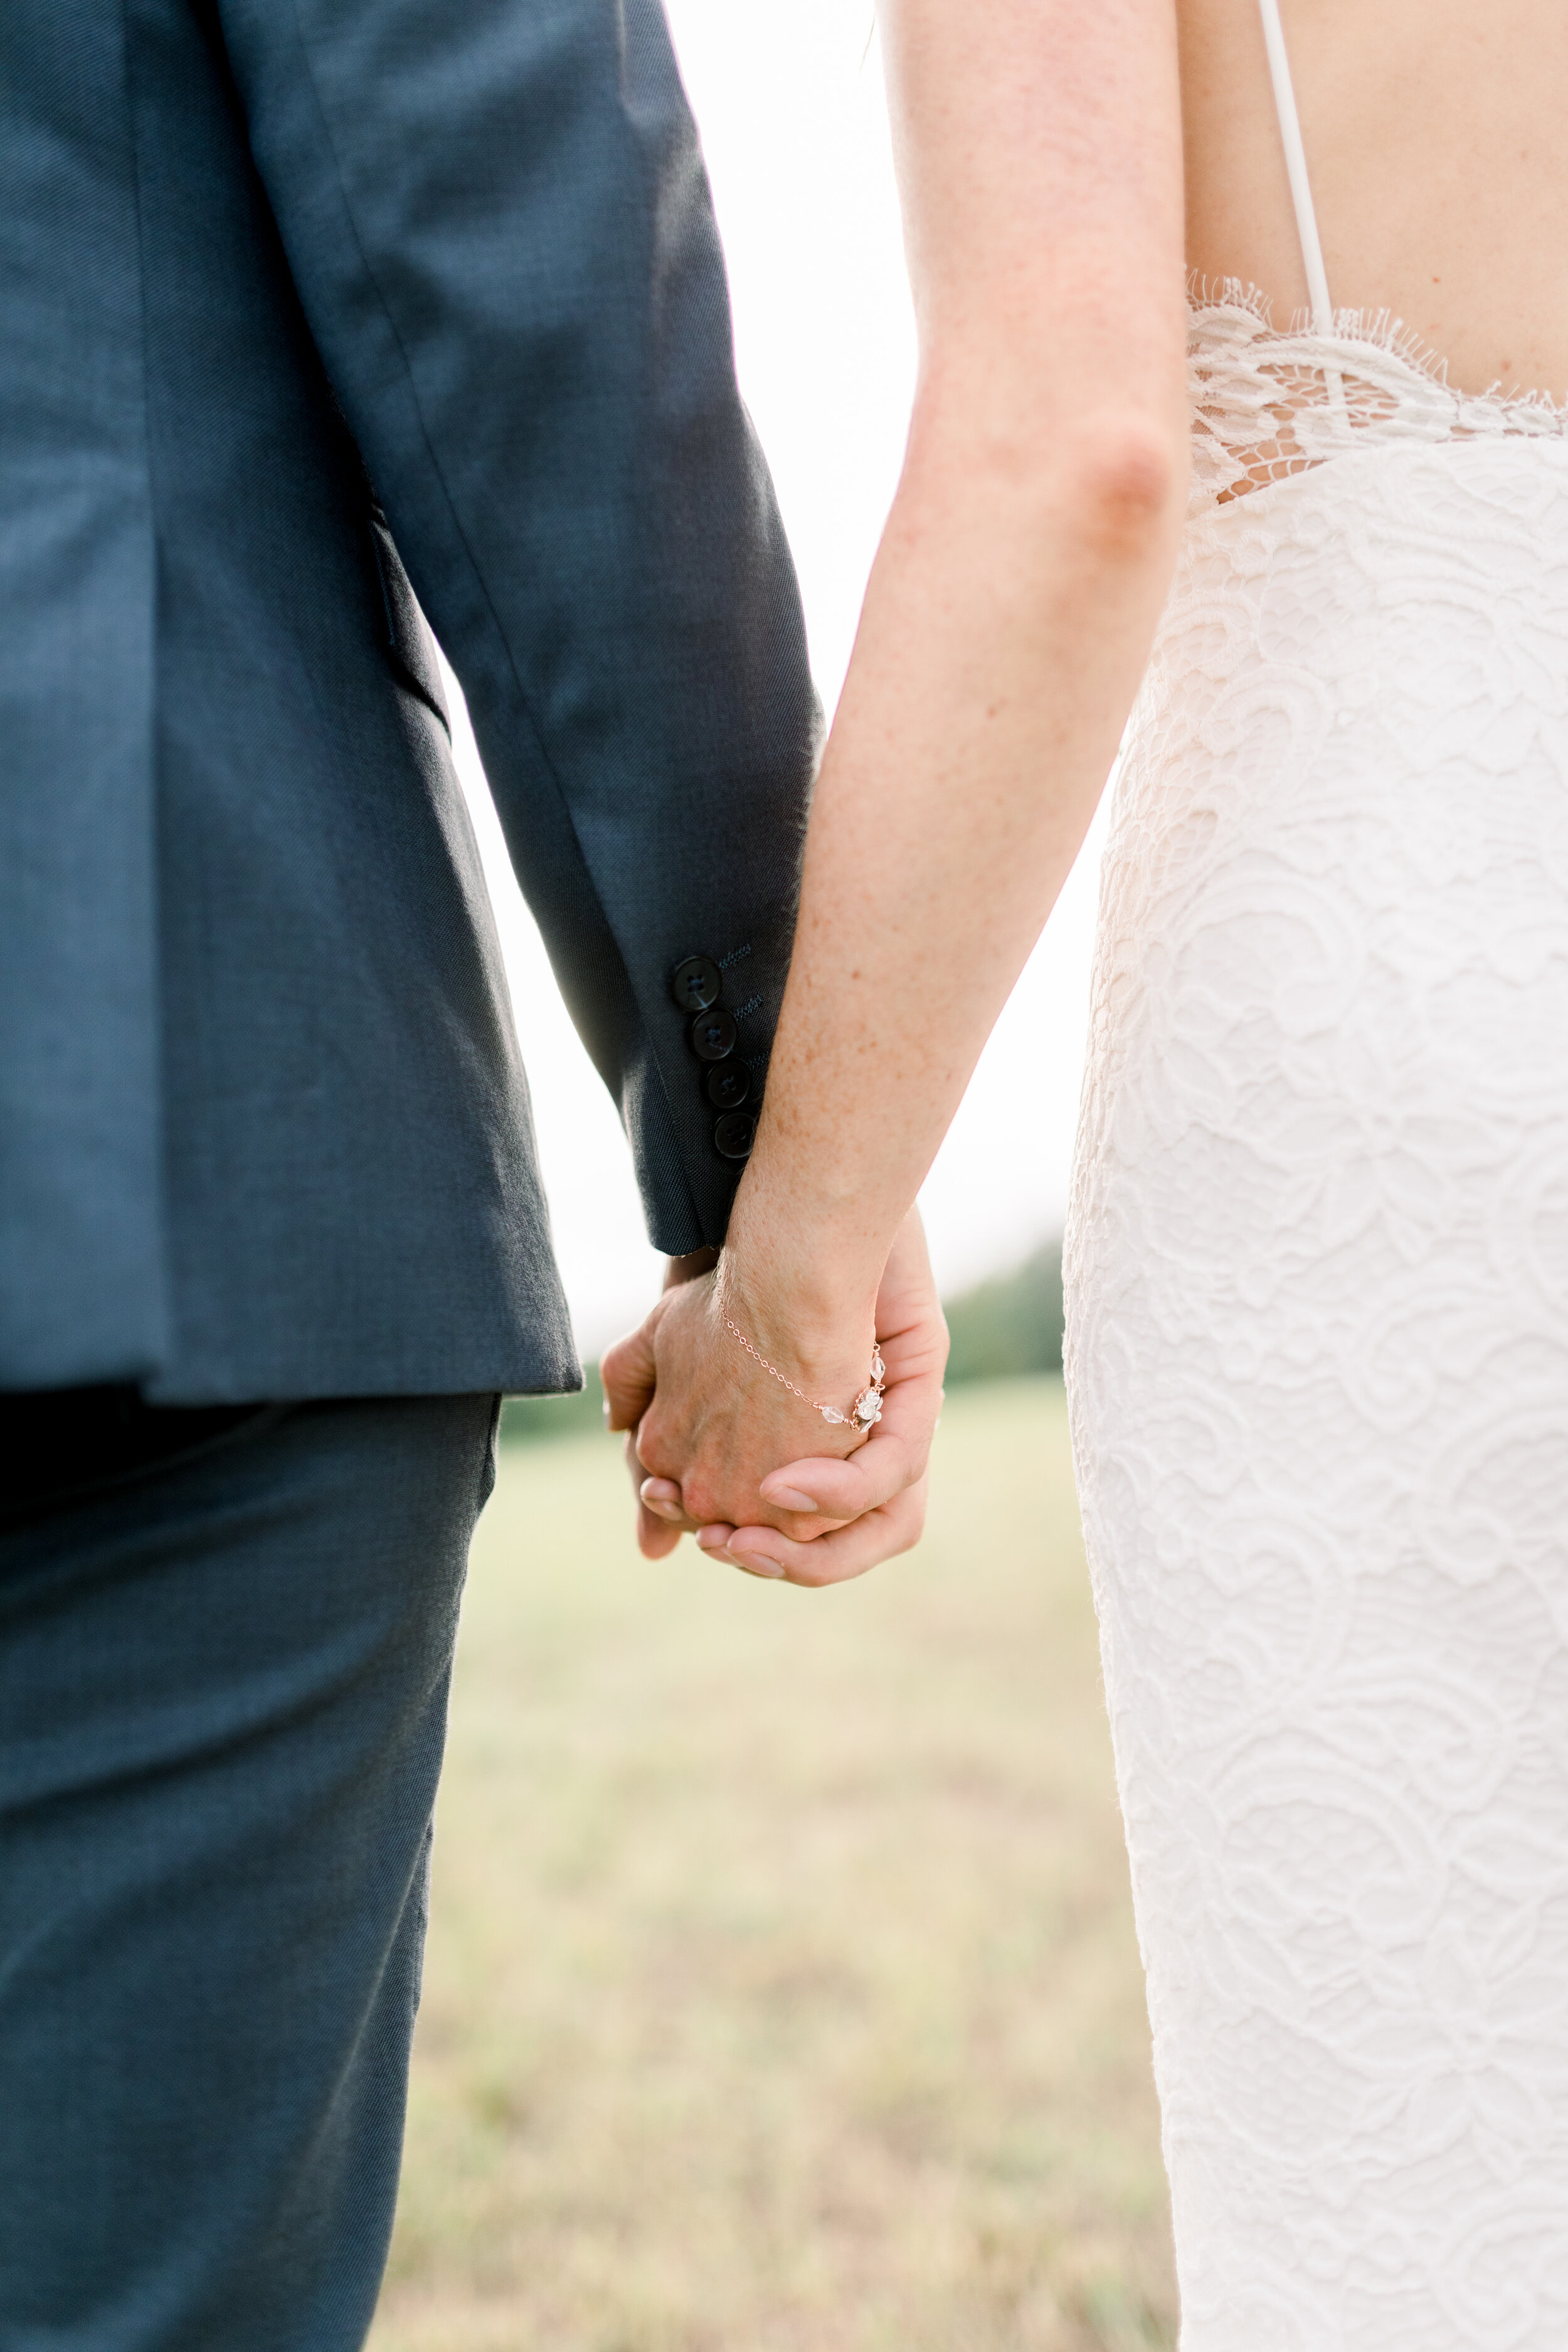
(867, 1407)
(773, 1368)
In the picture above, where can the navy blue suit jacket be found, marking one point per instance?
(294, 293)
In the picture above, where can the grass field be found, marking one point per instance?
(781, 1993)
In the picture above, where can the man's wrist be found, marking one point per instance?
(690, 1268)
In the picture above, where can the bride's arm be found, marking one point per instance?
(1007, 619)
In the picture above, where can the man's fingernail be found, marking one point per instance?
(790, 1499)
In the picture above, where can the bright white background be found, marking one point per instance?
(789, 103)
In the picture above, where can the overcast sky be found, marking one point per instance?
(789, 103)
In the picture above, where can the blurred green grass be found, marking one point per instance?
(781, 1993)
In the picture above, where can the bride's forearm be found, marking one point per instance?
(1005, 626)
(1007, 619)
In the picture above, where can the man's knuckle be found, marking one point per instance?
(649, 1448)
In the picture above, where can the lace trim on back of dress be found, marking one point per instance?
(1266, 405)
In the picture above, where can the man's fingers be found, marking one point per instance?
(626, 1371)
(833, 1559)
(654, 1540)
(662, 1497)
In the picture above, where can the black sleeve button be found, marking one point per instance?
(713, 1034)
(734, 1134)
(696, 983)
(728, 1085)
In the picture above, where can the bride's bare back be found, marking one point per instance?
(1434, 137)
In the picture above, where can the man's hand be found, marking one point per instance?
(714, 1439)
(657, 1534)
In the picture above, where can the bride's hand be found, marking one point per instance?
(872, 1504)
(710, 1428)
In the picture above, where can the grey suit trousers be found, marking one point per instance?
(223, 1669)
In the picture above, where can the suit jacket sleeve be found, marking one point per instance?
(497, 219)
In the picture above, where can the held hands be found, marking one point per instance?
(715, 1443)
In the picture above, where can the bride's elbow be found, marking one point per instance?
(1088, 493)
(1115, 488)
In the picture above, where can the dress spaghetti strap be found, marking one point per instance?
(1301, 185)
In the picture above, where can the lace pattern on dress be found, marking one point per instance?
(1268, 403)
(1318, 1361)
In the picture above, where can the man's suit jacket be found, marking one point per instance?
(292, 293)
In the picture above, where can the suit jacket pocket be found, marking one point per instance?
(409, 645)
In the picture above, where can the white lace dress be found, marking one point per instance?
(1318, 1350)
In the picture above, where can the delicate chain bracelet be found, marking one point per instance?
(863, 1413)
